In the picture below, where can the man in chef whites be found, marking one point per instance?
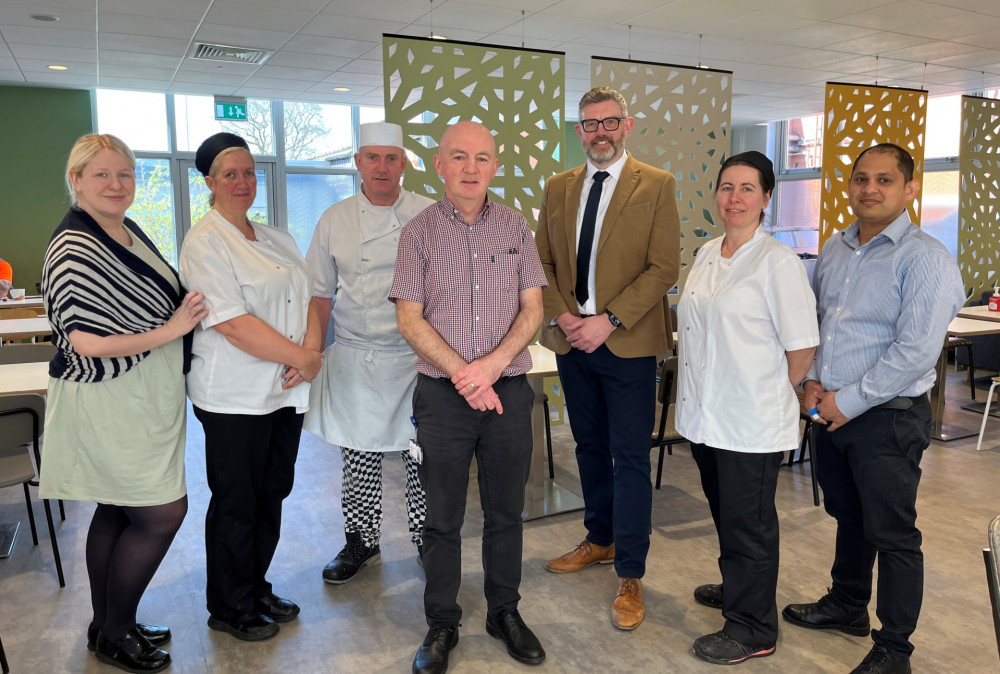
(361, 400)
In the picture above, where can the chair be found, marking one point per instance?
(990, 556)
(986, 412)
(18, 313)
(807, 435)
(27, 353)
(3, 660)
(666, 435)
(964, 343)
(20, 424)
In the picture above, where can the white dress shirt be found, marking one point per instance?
(607, 189)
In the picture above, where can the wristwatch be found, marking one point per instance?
(614, 319)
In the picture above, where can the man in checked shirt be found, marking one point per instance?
(468, 292)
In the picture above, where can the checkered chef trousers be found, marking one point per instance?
(361, 495)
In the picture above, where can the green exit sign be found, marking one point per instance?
(231, 108)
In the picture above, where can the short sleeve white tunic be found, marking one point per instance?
(267, 279)
(736, 319)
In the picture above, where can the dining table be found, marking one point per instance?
(24, 328)
(961, 326)
(19, 378)
(981, 313)
(543, 496)
(26, 302)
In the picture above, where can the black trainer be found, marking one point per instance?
(709, 595)
(350, 560)
(878, 661)
(721, 649)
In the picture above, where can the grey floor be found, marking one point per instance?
(375, 623)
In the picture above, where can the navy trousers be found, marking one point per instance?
(869, 470)
(612, 409)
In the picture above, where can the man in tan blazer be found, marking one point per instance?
(609, 240)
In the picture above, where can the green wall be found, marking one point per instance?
(39, 127)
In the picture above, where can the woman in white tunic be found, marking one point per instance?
(252, 357)
(115, 419)
(747, 332)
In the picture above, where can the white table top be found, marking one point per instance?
(982, 313)
(24, 378)
(543, 361)
(24, 326)
(971, 327)
(29, 302)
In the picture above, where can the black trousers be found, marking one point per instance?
(250, 466)
(451, 433)
(612, 409)
(869, 470)
(740, 489)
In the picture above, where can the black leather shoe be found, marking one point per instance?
(825, 615)
(522, 644)
(253, 626)
(709, 595)
(154, 634)
(432, 656)
(350, 560)
(132, 652)
(878, 661)
(277, 609)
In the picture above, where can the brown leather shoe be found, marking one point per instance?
(627, 610)
(581, 557)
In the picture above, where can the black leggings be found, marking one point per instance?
(125, 546)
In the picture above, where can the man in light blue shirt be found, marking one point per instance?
(886, 292)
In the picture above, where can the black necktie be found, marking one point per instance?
(587, 237)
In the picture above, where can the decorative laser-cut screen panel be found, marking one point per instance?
(682, 117)
(858, 116)
(979, 191)
(517, 93)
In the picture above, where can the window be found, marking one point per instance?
(944, 123)
(195, 121)
(308, 196)
(153, 208)
(939, 211)
(318, 135)
(804, 146)
(137, 117)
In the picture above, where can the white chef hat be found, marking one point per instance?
(382, 133)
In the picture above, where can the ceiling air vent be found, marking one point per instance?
(221, 52)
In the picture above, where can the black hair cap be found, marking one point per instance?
(212, 146)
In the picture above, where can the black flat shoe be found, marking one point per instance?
(155, 634)
(709, 595)
(432, 656)
(825, 615)
(522, 644)
(277, 609)
(132, 653)
(253, 626)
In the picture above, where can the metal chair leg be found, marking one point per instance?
(972, 373)
(55, 544)
(986, 413)
(548, 437)
(3, 660)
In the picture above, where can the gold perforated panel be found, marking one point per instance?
(859, 116)
(682, 117)
(517, 93)
(979, 190)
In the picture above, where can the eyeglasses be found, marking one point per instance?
(609, 124)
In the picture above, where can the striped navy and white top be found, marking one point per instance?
(884, 310)
(92, 283)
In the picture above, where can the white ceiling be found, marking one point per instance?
(780, 51)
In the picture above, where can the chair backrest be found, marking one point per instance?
(21, 418)
(27, 353)
(667, 393)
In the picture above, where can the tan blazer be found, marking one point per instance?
(638, 257)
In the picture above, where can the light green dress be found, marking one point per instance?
(120, 441)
